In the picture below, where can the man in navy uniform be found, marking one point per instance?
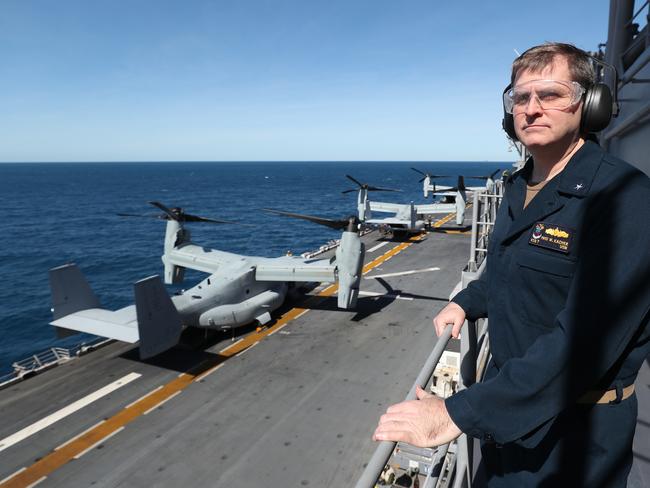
(567, 293)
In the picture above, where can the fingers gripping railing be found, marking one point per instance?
(385, 448)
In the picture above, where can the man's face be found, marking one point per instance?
(539, 128)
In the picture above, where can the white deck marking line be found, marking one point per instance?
(37, 482)
(163, 402)
(378, 246)
(103, 439)
(79, 435)
(231, 345)
(247, 349)
(207, 373)
(12, 475)
(284, 325)
(391, 295)
(143, 397)
(402, 273)
(65, 411)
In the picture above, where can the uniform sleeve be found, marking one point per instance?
(473, 299)
(604, 318)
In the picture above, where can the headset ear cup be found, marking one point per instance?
(597, 109)
(508, 121)
(508, 124)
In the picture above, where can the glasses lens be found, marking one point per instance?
(549, 94)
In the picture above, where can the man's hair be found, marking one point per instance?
(539, 57)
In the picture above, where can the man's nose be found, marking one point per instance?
(533, 106)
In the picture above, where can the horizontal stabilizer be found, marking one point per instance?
(120, 325)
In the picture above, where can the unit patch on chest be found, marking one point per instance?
(551, 236)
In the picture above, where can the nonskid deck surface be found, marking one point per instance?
(297, 409)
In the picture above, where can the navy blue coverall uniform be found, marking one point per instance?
(567, 293)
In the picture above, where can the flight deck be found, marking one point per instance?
(293, 404)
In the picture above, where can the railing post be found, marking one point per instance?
(473, 240)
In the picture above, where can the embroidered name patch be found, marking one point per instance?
(551, 236)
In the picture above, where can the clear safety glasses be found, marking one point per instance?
(549, 94)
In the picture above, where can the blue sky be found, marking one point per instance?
(268, 80)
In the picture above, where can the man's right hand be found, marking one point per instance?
(451, 314)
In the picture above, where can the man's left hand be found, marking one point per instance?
(423, 422)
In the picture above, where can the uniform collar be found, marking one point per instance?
(576, 177)
(579, 173)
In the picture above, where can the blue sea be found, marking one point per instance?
(55, 213)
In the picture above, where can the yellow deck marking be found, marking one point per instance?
(68, 451)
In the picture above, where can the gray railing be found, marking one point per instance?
(48, 359)
(385, 449)
(484, 213)
(474, 351)
(453, 462)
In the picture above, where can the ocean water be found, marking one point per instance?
(56, 213)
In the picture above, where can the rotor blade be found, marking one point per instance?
(356, 181)
(195, 218)
(446, 190)
(418, 171)
(376, 188)
(461, 183)
(490, 176)
(422, 179)
(334, 224)
(350, 191)
(139, 215)
(170, 214)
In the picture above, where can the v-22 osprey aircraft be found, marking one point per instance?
(239, 290)
(406, 218)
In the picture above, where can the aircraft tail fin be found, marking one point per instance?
(159, 324)
(70, 293)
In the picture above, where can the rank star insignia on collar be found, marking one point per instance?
(579, 186)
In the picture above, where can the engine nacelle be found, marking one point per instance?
(175, 235)
(349, 261)
(461, 205)
(363, 205)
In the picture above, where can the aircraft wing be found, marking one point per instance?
(200, 258)
(436, 208)
(388, 207)
(295, 269)
(389, 221)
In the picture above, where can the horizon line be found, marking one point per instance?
(202, 161)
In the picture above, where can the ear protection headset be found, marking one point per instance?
(597, 109)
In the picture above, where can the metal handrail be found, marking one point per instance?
(637, 13)
(484, 207)
(472, 360)
(47, 359)
(385, 449)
